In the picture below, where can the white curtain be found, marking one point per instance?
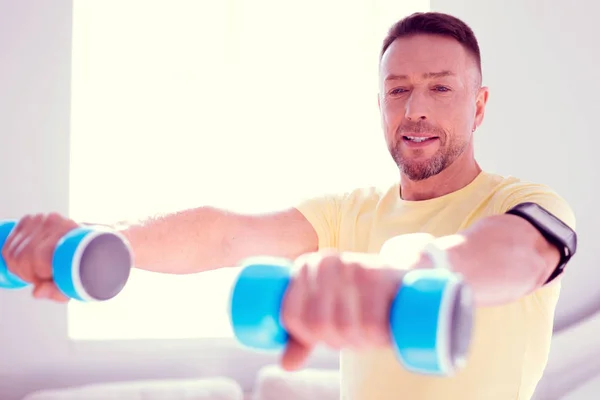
(244, 104)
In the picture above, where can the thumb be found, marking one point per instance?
(295, 355)
(48, 290)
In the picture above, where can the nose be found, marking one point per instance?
(416, 108)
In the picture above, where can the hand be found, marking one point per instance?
(342, 300)
(29, 249)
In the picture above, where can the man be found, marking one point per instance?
(431, 103)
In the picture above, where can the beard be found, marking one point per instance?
(450, 149)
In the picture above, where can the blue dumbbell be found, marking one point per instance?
(431, 316)
(88, 264)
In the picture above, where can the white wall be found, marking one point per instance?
(34, 131)
(538, 60)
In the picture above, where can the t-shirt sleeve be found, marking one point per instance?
(324, 214)
(521, 192)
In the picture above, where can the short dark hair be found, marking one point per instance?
(434, 23)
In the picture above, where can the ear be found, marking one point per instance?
(480, 103)
(379, 102)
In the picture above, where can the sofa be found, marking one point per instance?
(272, 383)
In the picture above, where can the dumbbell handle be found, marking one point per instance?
(430, 317)
(88, 264)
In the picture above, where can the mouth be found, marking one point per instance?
(419, 139)
(419, 142)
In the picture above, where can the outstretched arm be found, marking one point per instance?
(190, 241)
(207, 238)
(502, 257)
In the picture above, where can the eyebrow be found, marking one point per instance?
(427, 75)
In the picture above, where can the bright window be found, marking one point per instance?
(243, 104)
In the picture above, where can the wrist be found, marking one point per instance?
(434, 255)
(448, 252)
(422, 250)
(405, 251)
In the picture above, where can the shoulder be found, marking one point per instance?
(512, 191)
(366, 196)
(331, 208)
(327, 213)
(358, 197)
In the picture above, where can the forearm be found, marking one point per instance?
(180, 243)
(502, 258)
(207, 238)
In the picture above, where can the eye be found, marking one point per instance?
(441, 89)
(397, 91)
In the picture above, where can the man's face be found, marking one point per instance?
(430, 101)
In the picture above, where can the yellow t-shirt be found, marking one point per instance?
(510, 343)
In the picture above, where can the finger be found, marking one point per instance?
(17, 240)
(320, 310)
(295, 355)
(42, 254)
(58, 296)
(25, 255)
(293, 306)
(347, 315)
(16, 236)
(374, 308)
(54, 228)
(48, 290)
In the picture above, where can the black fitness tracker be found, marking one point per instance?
(553, 229)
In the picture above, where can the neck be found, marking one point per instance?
(455, 177)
